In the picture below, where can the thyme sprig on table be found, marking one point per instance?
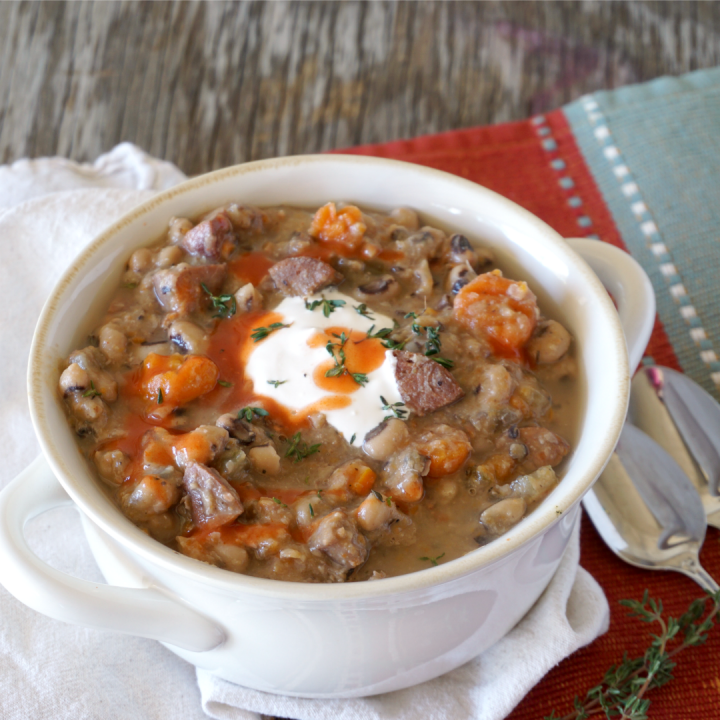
(621, 694)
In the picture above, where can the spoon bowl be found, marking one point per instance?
(647, 510)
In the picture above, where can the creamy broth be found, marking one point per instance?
(323, 396)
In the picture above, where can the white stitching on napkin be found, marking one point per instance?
(648, 227)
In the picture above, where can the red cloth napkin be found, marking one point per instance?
(515, 160)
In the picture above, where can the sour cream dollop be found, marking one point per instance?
(289, 365)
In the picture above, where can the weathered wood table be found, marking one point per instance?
(211, 84)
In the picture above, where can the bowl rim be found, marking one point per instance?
(128, 535)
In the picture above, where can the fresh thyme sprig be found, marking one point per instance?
(397, 409)
(433, 344)
(299, 449)
(248, 413)
(225, 305)
(362, 309)
(433, 560)
(337, 352)
(91, 392)
(327, 306)
(380, 334)
(621, 694)
(260, 333)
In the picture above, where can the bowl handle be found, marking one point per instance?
(629, 286)
(146, 612)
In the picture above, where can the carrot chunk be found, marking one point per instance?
(341, 227)
(176, 380)
(503, 310)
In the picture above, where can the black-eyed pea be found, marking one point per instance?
(141, 260)
(113, 343)
(503, 515)
(406, 217)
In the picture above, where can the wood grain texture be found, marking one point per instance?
(211, 84)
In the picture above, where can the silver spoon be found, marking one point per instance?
(685, 420)
(647, 510)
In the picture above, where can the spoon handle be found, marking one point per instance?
(689, 565)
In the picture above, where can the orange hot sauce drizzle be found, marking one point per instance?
(362, 355)
(251, 267)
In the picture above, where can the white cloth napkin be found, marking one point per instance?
(56, 671)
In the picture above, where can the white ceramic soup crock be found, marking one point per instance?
(341, 640)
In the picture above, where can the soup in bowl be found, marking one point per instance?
(309, 372)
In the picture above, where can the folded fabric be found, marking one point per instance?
(53, 670)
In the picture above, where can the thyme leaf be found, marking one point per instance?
(91, 392)
(299, 449)
(160, 397)
(276, 383)
(362, 309)
(248, 413)
(327, 306)
(621, 693)
(260, 333)
(337, 351)
(225, 383)
(225, 305)
(381, 333)
(397, 409)
(433, 560)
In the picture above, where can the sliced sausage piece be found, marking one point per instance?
(337, 537)
(214, 502)
(179, 288)
(207, 238)
(425, 386)
(303, 275)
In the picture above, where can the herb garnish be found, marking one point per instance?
(352, 439)
(224, 304)
(362, 309)
(299, 449)
(394, 344)
(160, 397)
(337, 352)
(433, 560)
(397, 409)
(276, 383)
(312, 512)
(225, 383)
(279, 502)
(249, 412)
(622, 690)
(260, 333)
(328, 306)
(380, 334)
(91, 392)
(377, 495)
(130, 285)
